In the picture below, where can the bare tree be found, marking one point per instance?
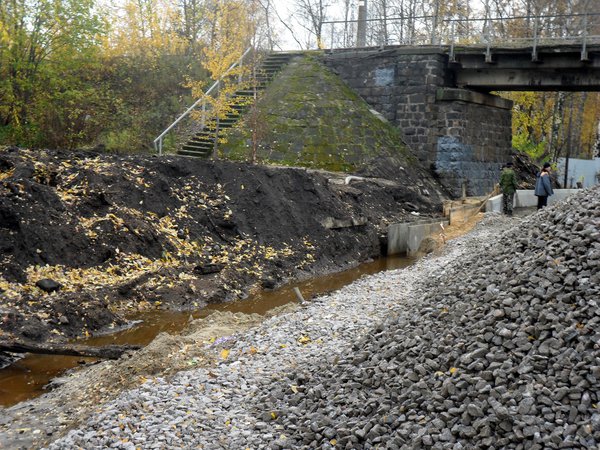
(313, 14)
(268, 10)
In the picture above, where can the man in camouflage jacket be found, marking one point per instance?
(508, 184)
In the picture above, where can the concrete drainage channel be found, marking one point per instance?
(406, 238)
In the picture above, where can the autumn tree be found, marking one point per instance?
(235, 26)
(44, 44)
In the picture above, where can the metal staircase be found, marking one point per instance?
(211, 127)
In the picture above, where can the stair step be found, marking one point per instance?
(199, 142)
(209, 131)
(278, 58)
(195, 151)
(191, 146)
(184, 152)
(203, 142)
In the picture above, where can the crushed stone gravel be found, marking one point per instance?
(494, 343)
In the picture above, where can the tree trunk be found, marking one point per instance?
(105, 352)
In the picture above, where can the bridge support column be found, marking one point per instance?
(462, 135)
(470, 139)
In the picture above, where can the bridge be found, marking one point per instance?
(546, 68)
(434, 80)
(439, 97)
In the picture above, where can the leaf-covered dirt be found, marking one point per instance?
(117, 234)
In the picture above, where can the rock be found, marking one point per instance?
(207, 269)
(48, 285)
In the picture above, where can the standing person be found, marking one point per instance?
(543, 186)
(508, 184)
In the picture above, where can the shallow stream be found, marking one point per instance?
(27, 377)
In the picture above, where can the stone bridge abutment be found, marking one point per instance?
(464, 136)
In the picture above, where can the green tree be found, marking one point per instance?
(42, 43)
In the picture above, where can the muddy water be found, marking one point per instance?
(27, 377)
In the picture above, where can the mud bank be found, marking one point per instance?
(87, 238)
(319, 330)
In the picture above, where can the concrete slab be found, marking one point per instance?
(397, 238)
(405, 238)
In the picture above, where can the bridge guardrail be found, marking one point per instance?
(523, 31)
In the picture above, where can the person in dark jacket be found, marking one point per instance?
(508, 184)
(543, 186)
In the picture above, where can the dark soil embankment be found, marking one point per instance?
(128, 233)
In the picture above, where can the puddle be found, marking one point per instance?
(27, 377)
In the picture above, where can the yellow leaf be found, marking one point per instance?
(304, 340)
(273, 415)
(333, 442)
(439, 373)
(294, 388)
(253, 350)
(224, 353)
(453, 370)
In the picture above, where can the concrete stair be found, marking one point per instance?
(202, 144)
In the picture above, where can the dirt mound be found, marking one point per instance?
(110, 234)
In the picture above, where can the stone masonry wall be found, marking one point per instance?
(458, 138)
(471, 143)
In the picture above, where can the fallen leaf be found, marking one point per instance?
(304, 340)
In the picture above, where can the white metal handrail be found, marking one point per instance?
(158, 142)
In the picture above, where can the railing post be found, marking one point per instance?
(435, 23)
(452, 55)
(361, 27)
(534, 54)
(584, 53)
(332, 30)
(487, 37)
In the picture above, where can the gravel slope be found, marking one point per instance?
(493, 344)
